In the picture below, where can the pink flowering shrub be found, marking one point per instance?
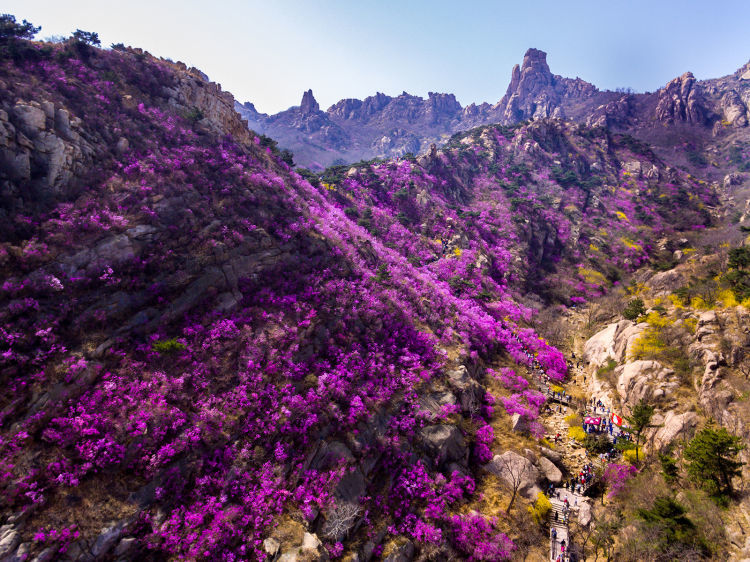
(511, 380)
(482, 449)
(617, 476)
(477, 538)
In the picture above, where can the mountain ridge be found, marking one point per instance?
(384, 126)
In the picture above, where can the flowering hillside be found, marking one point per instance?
(203, 349)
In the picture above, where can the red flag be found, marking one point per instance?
(617, 420)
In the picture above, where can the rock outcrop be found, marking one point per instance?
(550, 471)
(388, 126)
(517, 472)
(445, 442)
(644, 380)
(42, 148)
(733, 109)
(681, 101)
(535, 93)
(615, 114)
(308, 104)
(613, 342)
(673, 426)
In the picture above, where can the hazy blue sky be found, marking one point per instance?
(269, 51)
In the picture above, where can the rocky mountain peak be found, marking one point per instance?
(534, 92)
(536, 61)
(309, 104)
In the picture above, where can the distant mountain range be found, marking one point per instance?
(382, 126)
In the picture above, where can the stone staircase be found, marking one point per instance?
(557, 521)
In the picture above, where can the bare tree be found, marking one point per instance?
(605, 529)
(514, 469)
(340, 521)
(580, 535)
(743, 365)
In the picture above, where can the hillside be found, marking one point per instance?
(211, 355)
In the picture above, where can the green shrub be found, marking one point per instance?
(634, 309)
(168, 347)
(10, 30)
(194, 115)
(383, 274)
(401, 195)
(86, 37)
(712, 461)
(605, 370)
(458, 284)
(596, 444)
(696, 158)
(310, 176)
(365, 221)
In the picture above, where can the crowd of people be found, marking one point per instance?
(561, 554)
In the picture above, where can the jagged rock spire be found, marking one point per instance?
(308, 104)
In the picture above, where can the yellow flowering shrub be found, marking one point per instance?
(629, 455)
(592, 276)
(577, 433)
(540, 509)
(650, 343)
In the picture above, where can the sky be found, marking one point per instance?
(269, 51)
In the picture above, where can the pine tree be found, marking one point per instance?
(10, 30)
(639, 421)
(712, 460)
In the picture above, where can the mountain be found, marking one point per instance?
(382, 126)
(209, 354)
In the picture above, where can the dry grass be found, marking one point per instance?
(97, 502)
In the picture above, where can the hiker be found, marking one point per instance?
(554, 534)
